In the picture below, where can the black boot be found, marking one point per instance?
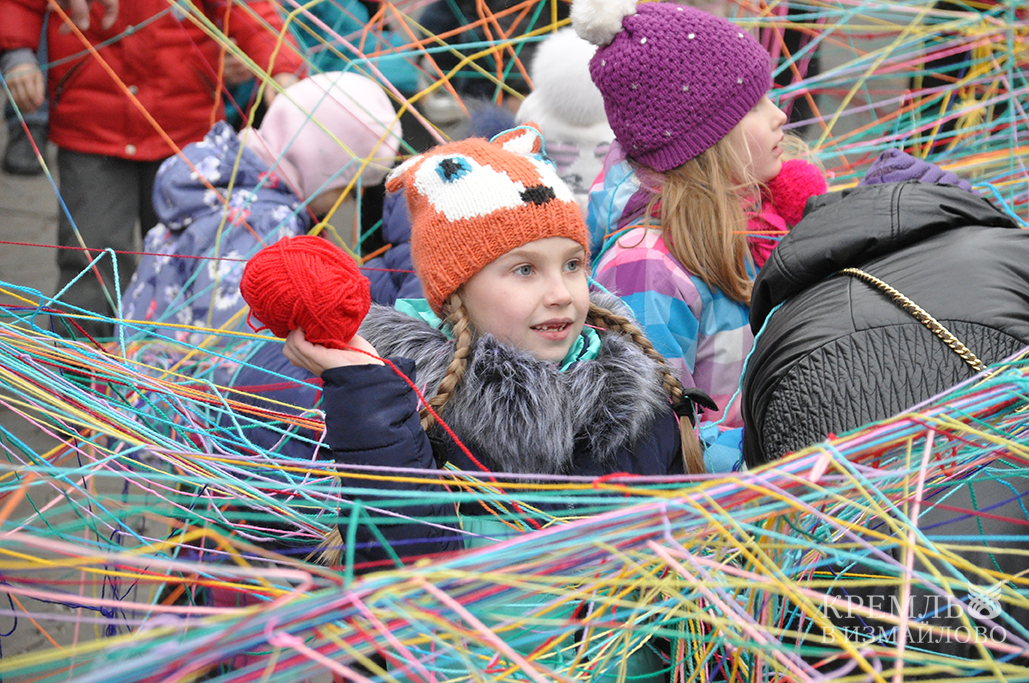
(20, 159)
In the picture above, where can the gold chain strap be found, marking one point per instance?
(922, 316)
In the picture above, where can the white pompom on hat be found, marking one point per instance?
(564, 93)
(599, 21)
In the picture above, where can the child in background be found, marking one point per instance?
(569, 111)
(231, 194)
(115, 120)
(697, 164)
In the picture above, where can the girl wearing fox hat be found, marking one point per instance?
(530, 370)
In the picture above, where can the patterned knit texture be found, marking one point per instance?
(306, 282)
(473, 201)
(797, 182)
(676, 80)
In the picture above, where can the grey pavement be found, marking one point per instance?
(28, 213)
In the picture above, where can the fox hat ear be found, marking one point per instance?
(473, 201)
(397, 178)
(526, 139)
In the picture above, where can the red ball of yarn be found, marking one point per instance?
(306, 282)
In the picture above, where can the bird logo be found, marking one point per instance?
(983, 602)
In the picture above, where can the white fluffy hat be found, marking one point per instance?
(564, 94)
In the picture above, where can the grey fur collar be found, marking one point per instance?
(521, 414)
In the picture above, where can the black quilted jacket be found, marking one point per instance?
(839, 353)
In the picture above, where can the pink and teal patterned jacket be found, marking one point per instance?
(703, 334)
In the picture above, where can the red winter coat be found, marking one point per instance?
(159, 53)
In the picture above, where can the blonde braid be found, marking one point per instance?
(457, 316)
(693, 456)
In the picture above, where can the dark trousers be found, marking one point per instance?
(943, 72)
(105, 196)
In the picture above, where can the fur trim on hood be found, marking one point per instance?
(522, 414)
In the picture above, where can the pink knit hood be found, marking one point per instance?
(319, 131)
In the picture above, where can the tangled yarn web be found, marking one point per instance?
(157, 523)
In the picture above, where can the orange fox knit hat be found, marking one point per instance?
(473, 201)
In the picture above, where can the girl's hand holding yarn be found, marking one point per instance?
(316, 358)
(311, 293)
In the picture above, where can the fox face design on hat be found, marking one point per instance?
(473, 201)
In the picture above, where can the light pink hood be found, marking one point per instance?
(325, 123)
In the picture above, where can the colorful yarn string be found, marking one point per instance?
(156, 519)
(759, 545)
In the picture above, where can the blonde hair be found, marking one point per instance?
(456, 315)
(704, 205)
(702, 218)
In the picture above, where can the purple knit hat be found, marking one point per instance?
(675, 80)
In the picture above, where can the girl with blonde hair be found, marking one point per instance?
(529, 370)
(695, 189)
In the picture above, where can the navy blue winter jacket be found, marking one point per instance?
(514, 414)
(392, 275)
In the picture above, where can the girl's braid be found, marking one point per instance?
(457, 316)
(602, 317)
(693, 456)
